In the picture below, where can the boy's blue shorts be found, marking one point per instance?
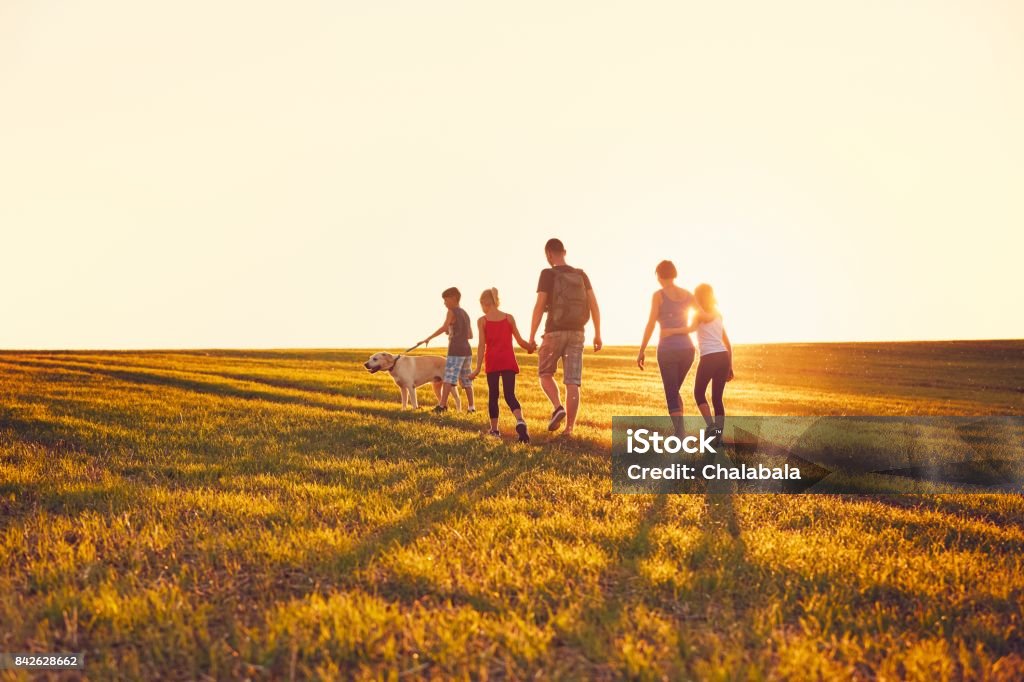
(457, 370)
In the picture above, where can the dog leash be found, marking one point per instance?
(394, 362)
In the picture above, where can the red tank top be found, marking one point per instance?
(498, 353)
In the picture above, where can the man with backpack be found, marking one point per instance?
(565, 294)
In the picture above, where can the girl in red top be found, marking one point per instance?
(497, 330)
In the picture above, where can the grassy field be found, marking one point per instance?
(274, 515)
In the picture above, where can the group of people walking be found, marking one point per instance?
(566, 302)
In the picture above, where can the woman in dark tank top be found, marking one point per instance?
(670, 309)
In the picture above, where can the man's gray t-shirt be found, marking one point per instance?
(460, 334)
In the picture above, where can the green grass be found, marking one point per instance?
(275, 515)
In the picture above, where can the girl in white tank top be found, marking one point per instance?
(711, 335)
(715, 366)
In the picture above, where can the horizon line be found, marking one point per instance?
(151, 349)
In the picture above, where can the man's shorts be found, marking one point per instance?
(567, 345)
(456, 370)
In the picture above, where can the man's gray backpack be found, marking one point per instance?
(569, 307)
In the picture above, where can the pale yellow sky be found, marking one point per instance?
(248, 174)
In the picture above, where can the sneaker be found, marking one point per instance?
(440, 408)
(556, 418)
(496, 434)
(524, 435)
(470, 410)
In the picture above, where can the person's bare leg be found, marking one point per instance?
(446, 390)
(572, 406)
(547, 383)
(469, 398)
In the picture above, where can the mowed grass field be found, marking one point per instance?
(274, 515)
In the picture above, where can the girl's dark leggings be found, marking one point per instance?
(674, 361)
(714, 369)
(508, 381)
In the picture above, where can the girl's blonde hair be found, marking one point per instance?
(490, 295)
(705, 295)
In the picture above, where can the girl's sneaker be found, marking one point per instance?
(470, 410)
(496, 434)
(440, 408)
(524, 435)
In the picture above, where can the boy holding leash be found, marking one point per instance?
(460, 354)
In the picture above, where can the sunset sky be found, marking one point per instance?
(248, 174)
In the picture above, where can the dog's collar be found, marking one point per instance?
(394, 364)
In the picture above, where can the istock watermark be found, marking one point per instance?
(833, 455)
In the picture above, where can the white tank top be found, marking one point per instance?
(709, 336)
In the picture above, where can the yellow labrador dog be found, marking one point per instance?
(411, 372)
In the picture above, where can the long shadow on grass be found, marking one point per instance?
(618, 585)
(378, 393)
(718, 561)
(167, 379)
(489, 482)
(944, 529)
(950, 505)
(33, 497)
(224, 390)
(577, 445)
(133, 478)
(56, 436)
(103, 363)
(340, 570)
(733, 592)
